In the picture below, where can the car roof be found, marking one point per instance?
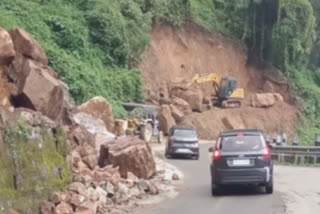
(244, 131)
(183, 127)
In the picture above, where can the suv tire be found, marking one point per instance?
(215, 190)
(269, 187)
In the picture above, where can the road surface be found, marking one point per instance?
(195, 196)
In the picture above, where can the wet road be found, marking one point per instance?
(195, 196)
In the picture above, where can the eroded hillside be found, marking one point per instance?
(175, 55)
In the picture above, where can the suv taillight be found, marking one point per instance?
(266, 153)
(216, 154)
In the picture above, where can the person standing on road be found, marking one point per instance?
(295, 140)
(284, 138)
(278, 140)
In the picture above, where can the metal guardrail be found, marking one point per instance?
(296, 154)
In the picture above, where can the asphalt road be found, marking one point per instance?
(195, 196)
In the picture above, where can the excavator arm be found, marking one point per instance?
(211, 77)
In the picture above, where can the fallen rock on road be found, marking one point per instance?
(131, 154)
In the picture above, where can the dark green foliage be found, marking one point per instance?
(94, 44)
(32, 167)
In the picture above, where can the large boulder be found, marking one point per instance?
(78, 135)
(99, 108)
(131, 154)
(37, 89)
(181, 104)
(166, 120)
(194, 98)
(265, 100)
(177, 114)
(7, 51)
(97, 128)
(27, 46)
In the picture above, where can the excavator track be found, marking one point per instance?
(230, 103)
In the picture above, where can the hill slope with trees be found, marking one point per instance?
(96, 45)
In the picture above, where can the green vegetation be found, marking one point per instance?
(32, 167)
(95, 45)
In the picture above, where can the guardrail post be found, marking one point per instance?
(298, 159)
(314, 159)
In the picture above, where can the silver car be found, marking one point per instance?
(183, 141)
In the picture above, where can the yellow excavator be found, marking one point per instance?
(227, 94)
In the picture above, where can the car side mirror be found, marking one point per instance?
(210, 149)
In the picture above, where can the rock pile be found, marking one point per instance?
(98, 189)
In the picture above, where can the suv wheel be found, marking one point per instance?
(215, 190)
(269, 187)
(167, 155)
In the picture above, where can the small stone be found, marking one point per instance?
(115, 180)
(143, 185)
(91, 194)
(47, 207)
(64, 208)
(91, 161)
(58, 196)
(87, 207)
(175, 177)
(102, 195)
(76, 200)
(109, 188)
(153, 189)
(123, 191)
(132, 177)
(77, 187)
(134, 192)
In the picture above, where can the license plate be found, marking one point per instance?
(243, 162)
(184, 151)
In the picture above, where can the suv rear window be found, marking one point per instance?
(187, 133)
(242, 143)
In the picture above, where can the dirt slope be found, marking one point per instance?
(178, 54)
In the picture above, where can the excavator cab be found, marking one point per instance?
(227, 86)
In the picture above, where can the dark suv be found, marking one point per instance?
(241, 157)
(182, 141)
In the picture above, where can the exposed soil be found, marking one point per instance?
(175, 55)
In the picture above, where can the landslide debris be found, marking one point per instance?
(176, 55)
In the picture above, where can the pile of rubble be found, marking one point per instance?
(108, 172)
(101, 193)
(179, 102)
(125, 174)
